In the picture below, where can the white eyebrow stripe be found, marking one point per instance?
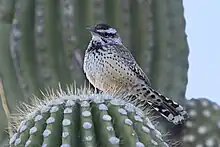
(110, 30)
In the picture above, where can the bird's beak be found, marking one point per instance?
(90, 29)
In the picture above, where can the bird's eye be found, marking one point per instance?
(113, 35)
(106, 34)
(98, 43)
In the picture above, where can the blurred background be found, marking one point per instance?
(42, 42)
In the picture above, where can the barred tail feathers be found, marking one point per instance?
(168, 108)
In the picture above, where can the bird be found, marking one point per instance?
(109, 66)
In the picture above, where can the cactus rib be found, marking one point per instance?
(87, 120)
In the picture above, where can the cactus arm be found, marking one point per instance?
(27, 52)
(54, 42)
(8, 77)
(160, 42)
(86, 120)
(203, 125)
(143, 53)
(7, 71)
(83, 17)
(180, 51)
(170, 50)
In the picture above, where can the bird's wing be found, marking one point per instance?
(129, 60)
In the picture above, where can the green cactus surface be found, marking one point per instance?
(203, 127)
(86, 120)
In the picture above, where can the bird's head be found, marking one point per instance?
(104, 33)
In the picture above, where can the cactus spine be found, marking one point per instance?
(86, 120)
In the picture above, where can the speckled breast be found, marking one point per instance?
(100, 71)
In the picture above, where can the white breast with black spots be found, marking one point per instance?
(93, 67)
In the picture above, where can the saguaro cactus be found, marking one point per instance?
(203, 127)
(27, 52)
(168, 21)
(86, 120)
(7, 70)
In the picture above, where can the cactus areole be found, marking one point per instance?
(85, 120)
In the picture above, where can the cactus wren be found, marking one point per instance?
(110, 66)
